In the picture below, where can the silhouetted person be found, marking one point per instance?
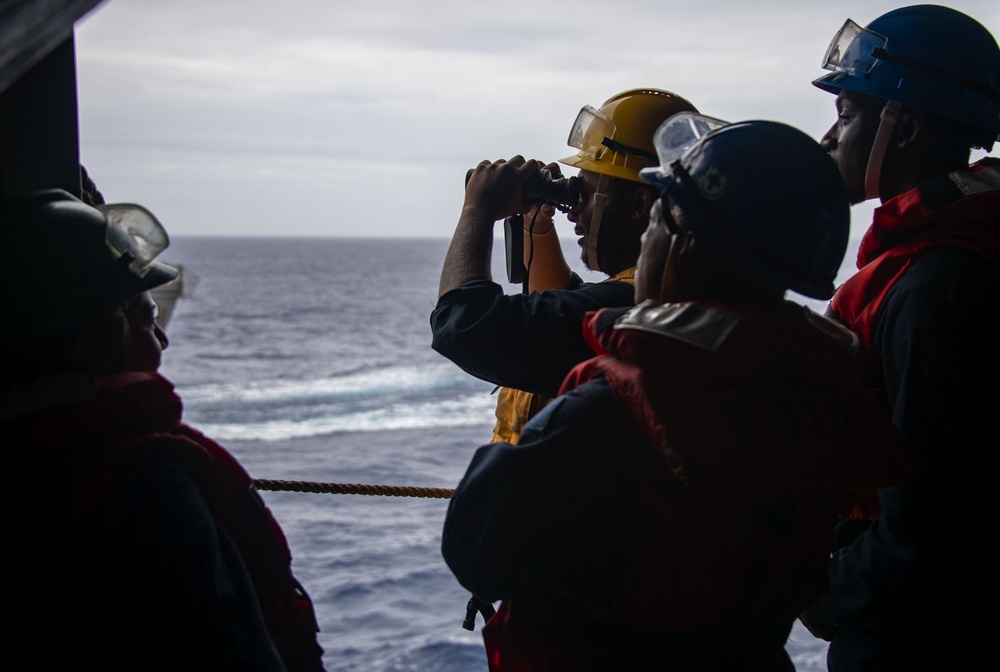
(133, 541)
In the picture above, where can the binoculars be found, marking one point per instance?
(541, 187)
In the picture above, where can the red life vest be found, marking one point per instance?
(755, 431)
(133, 417)
(961, 209)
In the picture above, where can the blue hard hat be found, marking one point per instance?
(768, 193)
(927, 57)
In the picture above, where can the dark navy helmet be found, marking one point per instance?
(927, 57)
(763, 190)
(61, 260)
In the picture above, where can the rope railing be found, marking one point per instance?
(351, 489)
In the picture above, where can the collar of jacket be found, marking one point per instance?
(960, 197)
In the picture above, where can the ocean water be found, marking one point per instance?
(311, 360)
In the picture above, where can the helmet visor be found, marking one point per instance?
(134, 232)
(853, 50)
(674, 138)
(589, 132)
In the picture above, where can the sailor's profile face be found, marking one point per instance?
(583, 214)
(849, 141)
(144, 340)
(623, 215)
(653, 255)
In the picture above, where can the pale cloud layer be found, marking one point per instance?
(311, 118)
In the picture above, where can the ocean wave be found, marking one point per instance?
(354, 385)
(476, 409)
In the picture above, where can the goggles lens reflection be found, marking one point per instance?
(133, 231)
(852, 50)
(589, 131)
(680, 133)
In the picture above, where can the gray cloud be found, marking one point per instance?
(320, 118)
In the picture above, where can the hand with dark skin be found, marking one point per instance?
(492, 193)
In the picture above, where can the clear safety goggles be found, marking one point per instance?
(674, 138)
(589, 132)
(854, 50)
(134, 235)
(593, 134)
(680, 133)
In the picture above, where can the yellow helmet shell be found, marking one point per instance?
(634, 115)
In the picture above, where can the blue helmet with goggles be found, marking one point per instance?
(763, 190)
(62, 260)
(927, 57)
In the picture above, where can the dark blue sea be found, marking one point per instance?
(310, 359)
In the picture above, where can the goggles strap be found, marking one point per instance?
(616, 146)
(873, 174)
(678, 255)
(940, 73)
(594, 233)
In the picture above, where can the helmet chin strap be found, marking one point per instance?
(594, 232)
(873, 174)
(677, 258)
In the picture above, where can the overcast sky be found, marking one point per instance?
(324, 118)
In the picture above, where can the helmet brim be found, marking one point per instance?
(602, 168)
(157, 274)
(833, 82)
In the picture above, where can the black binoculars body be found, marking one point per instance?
(541, 187)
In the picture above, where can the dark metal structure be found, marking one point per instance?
(39, 122)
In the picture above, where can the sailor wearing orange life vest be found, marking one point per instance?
(916, 89)
(670, 510)
(141, 544)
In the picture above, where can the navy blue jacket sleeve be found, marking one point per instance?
(549, 516)
(527, 342)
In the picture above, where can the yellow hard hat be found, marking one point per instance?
(617, 139)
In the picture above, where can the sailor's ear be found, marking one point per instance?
(910, 124)
(642, 202)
